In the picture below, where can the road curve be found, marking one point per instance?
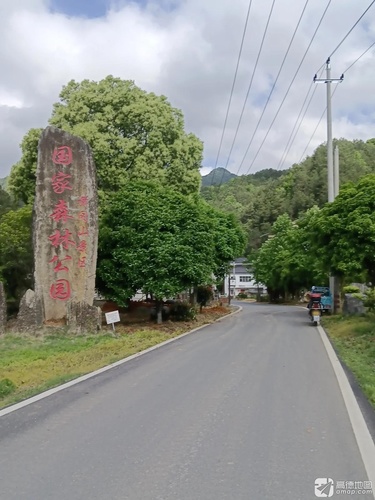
(245, 409)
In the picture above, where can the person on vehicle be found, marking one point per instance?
(315, 299)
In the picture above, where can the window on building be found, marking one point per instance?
(245, 279)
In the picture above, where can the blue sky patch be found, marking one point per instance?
(81, 8)
(92, 9)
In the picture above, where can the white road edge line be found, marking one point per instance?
(362, 434)
(78, 380)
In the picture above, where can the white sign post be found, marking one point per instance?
(112, 318)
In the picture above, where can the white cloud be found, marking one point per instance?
(188, 51)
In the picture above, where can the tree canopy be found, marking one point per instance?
(258, 199)
(134, 135)
(159, 241)
(16, 256)
(284, 262)
(344, 232)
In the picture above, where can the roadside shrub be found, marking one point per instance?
(204, 295)
(183, 311)
(6, 387)
(241, 296)
(369, 300)
(264, 298)
(350, 289)
(359, 296)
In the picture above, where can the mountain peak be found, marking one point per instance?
(217, 176)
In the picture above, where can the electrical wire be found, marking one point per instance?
(358, 58)
(295, 129)
(233, 85)
(286, 94)
(249, 87)
(290, 140)
(278, 75)
(325, 109)
(316, 128)
(352, 28)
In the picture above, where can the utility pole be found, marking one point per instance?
(330, 171)
(333, 180)
(336, 171)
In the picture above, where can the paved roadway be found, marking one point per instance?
(245, 409)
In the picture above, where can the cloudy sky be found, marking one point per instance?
(188, 51)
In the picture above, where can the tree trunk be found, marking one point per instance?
(193, 296)
(159, 312)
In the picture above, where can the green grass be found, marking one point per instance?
(30, 365)
(354, 340)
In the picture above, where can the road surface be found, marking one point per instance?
(245, 409)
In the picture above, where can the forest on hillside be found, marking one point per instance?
(257, 200)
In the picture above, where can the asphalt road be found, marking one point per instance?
(245, 409)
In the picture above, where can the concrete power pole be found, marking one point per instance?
(336, 171)
(332, 172)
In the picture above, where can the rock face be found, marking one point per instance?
(3, 309)
(353, 305)
(65, 232)
(29, 316)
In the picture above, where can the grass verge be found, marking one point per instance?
(30, 365)
(353, 338)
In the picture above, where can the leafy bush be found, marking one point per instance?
(264, 298)
(242, 296)
(183, 311)
(359, 296)
(6, 387)
(369, 300)
(204, 295)
(350, 289)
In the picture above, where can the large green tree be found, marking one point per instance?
(16, 257)
(285, 261)
(22, 178)
(134, 135)
(343, 232)
(162, 242)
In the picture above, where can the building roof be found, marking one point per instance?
(239, 269)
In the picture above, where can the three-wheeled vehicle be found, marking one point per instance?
(326, 297)
(315, 307)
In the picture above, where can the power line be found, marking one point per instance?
(291, 141)
(233, 85)
(358, 58)
(249, 87)
(316, 128)
(352, 28)
(286, 94)
(294, 131)
(278, 75)
(347, 69)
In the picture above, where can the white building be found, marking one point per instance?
(241, 280)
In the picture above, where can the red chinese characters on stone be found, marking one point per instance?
(83, 201)
(62, 155)
(60, 290)
(82, 246)
(83, 216)
(83, 231)
(60, 182)
(58, 238)
(59, 266)
(61, 212)
(82, 261)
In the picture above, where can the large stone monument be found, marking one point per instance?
(65, 232)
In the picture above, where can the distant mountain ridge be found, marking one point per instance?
(217, 176)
